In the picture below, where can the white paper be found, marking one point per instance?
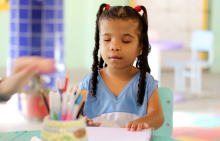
(117, 134)
(35, 138)
(113, 134)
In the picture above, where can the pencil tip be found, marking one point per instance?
(41, 90)
(67, 74)
(59, 83)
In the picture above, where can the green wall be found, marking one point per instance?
(215, 27)
(4, 37)
(74, 37)
(79, 26)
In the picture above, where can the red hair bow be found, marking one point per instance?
(137, 8)
(107, 6)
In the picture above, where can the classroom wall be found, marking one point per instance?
(4, 37)
(215, 27)
(74, 37)
(174, 21)
(79, 25)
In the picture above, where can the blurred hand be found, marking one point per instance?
(90, 122)
(23, 70)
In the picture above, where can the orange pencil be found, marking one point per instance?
(84, 93)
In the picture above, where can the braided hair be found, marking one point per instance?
(123, 13)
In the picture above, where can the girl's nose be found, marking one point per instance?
(115, 47)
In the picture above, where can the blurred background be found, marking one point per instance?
(184, 36)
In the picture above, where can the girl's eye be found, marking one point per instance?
(126, 41)
(107, 40)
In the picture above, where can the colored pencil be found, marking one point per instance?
(59, 85)
(66, 82)
(84, 93)
(45, 101)
(80, 110)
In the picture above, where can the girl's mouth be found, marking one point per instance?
(114, 57)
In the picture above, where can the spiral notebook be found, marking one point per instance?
(119, 134)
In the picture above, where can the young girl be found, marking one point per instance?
(122, 95)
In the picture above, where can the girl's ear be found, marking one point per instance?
(141, 46)
(140, 49)
(140, 52)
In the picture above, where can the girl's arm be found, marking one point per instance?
(153, 118)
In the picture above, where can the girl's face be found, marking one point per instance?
(119, 42)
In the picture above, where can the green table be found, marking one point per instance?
(27, 135)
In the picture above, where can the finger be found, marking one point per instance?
(122, 126)
(128, 126)
(86, 117)
(27, 72)
(139, 127)
(49, 70)
(46, 65)
(145, 126)
(22, 78)
(134, 126)
(43, 64)
(24, 61)
(97, 124)
(88, 120)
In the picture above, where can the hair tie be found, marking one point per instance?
(107, 6)
(137, 8)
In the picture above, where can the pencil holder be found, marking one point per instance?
(32, 105)
(54, 130)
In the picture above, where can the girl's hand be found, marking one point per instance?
(90, 122)
(135, 125)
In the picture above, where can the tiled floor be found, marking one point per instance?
(194, 116)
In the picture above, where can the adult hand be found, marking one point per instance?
(23, 70)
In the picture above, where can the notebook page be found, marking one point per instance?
(118, 134)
